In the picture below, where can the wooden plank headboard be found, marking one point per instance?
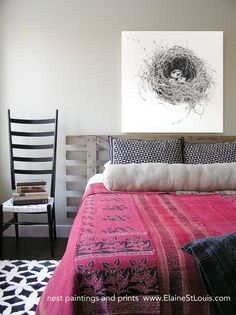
(86, 156)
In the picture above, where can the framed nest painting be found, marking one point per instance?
(172, 82)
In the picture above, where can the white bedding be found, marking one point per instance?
(97, 178)
(170, 177)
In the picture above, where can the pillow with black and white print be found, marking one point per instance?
(208, 153)
(124, 151)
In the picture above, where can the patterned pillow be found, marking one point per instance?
(124, 151)
(207, 153)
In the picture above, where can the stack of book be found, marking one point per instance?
(30, 192)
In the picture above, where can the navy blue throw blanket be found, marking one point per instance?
(216, 259)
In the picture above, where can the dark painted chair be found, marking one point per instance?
(28, 137)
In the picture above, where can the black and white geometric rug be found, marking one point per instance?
(22, 283)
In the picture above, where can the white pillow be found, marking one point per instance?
(107, 163)
(170, 177)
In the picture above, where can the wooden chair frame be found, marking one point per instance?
(51, 217)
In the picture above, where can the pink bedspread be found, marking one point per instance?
(124, 254)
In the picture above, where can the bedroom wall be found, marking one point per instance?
(67, 55)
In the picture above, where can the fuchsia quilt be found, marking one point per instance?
(124, 253)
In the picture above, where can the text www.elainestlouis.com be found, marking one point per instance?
(149, 298)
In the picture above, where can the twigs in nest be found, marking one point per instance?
(176, 75)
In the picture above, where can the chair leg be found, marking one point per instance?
(16, 226)
(1, 231)
(54, 222)
(50, 229)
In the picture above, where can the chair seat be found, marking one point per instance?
(8, 207)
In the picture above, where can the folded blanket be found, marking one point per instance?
(216, 258)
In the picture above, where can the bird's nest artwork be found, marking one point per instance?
(176, 75)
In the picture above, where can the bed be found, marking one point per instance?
(127, 251)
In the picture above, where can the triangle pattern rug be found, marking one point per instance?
(22, 283)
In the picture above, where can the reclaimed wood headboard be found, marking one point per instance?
(86, 156)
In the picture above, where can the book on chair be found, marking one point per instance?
(30, 192)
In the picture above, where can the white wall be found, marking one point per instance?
(66, 54)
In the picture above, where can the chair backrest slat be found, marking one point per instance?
(33, 146)
(32, 134)
(33, 172)
(32, 159)
(32, 121)
(16, 148)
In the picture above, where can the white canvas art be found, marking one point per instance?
(172, 81)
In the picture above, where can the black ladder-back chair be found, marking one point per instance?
(15, 148)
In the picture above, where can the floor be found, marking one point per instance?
(32, 248)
